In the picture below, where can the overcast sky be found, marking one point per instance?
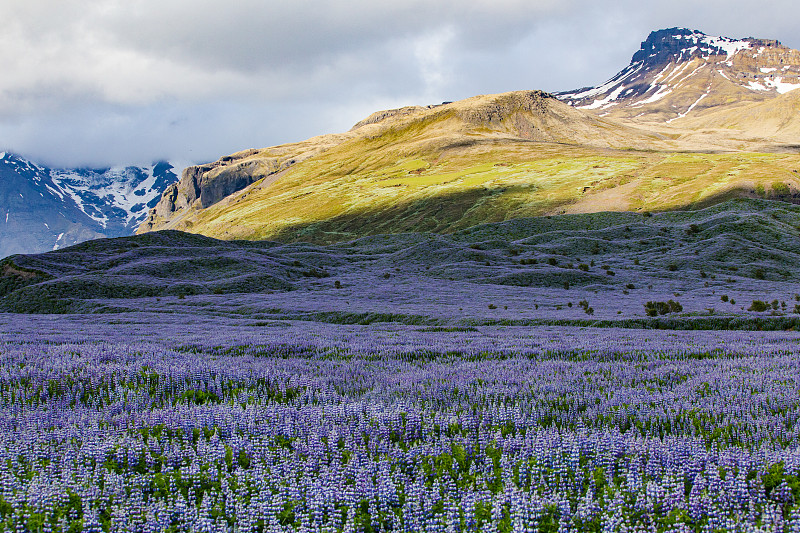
(107, 82)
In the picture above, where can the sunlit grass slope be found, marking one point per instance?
(486, 159)
(343, 194)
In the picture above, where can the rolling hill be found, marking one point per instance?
(517, 271)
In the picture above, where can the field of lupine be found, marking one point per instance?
(181, 422)
(614, 372)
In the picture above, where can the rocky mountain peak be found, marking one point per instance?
(681, 44)
(678, 71)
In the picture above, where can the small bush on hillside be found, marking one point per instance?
(662, 308)
(781, 189)
(758, 306)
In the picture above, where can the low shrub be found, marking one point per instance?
(662, 308)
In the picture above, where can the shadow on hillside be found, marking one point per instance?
(454, 212)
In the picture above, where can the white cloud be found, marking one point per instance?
(92, 81)
(429, 51)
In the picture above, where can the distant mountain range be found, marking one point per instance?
(45, 209)
(692, 121)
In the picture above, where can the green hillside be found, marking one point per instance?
(446, 168)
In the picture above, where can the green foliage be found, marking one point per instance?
(776, 476)
(662, 308)
(758, 306)
(14, 276)
(781, 189)
(199, 397)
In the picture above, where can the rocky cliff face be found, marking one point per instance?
(202, 186)
(679, 71)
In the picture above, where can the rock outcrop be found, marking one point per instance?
(203, 186)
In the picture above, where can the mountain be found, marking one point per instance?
(678, 72)
(692, 121)
(46, 209)
(447, 167)
(416, 167)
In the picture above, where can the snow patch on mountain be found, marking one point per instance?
(676, 60)
(120, 195)
(56, 208)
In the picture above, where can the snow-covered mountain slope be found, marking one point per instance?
(116, 198)
(678, 72)
(45, 209)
